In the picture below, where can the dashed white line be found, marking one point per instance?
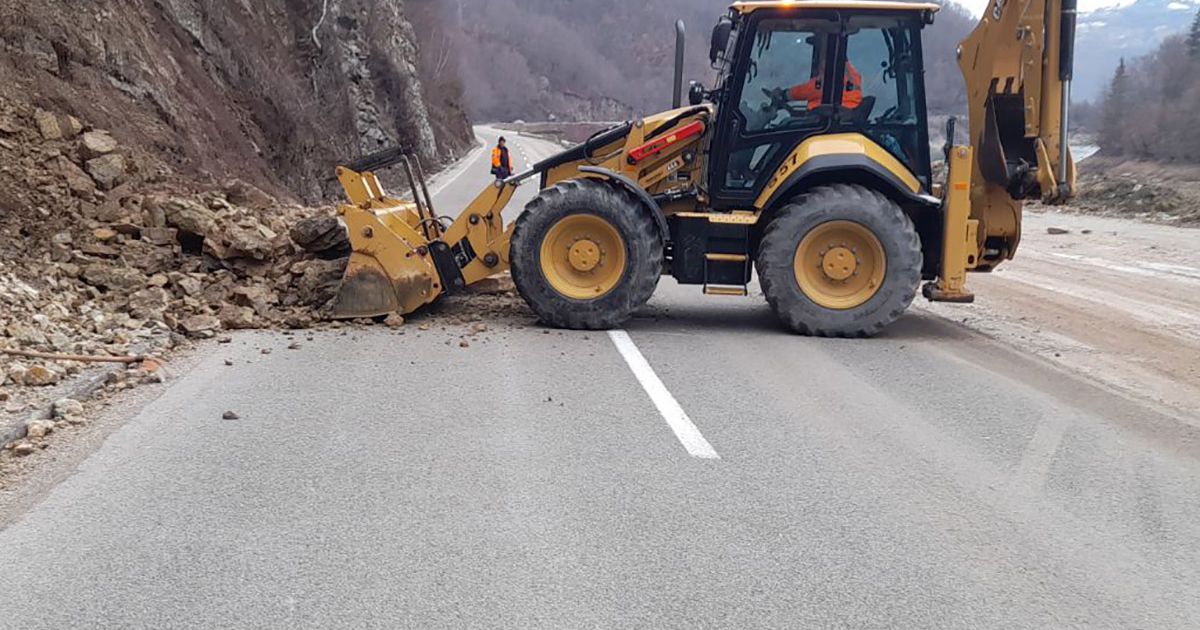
(676, 418)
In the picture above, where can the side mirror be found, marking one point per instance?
(697, 93)
(720, 39)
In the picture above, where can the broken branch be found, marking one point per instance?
(31, 354)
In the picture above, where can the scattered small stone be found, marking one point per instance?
(293, 346)
(229, 415)
(479, 327)
(1085, 232)
(1057, 231)
(38, 428)
(395, 320)
(423, 327)
(266, 351)
(66, 408)
(41, 376)
(225, 340)
(464, 344)
(23, 448)
(228, 363)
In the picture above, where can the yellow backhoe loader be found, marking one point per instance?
(808, 159)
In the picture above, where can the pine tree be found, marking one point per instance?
(1116, 112)
(1194, 38)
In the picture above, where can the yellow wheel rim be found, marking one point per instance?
(583, 257)
(840, 265)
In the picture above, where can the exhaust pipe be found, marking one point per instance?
(680, 36)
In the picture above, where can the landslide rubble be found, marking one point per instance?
(115, 258)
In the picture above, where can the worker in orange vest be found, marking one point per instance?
(501, 161)
(813, 92)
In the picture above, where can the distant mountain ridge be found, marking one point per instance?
(1106, 35)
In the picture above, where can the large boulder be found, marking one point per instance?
(112, 277)
(189, 216)
(200, 325)
(318, 280)
(48, 125)
(97, 143)
(235, 241)
(321, 235)
(235, 317)
(108, 170)
(77, 180)
(149, 303)
(242, 193)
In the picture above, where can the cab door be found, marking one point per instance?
(762, 117)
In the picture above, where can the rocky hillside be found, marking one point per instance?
(156, 157)
(272, 91)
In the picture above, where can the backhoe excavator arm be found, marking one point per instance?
(1018, 68)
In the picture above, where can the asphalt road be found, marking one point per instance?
(930, 478)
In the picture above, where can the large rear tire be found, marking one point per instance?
(840, 261)
(586, 255)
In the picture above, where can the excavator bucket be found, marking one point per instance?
(366, 290)
(390, 270)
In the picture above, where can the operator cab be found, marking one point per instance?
(776, 87)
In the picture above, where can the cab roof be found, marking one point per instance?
(852, 5)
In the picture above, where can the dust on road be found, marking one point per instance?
(1113, 299)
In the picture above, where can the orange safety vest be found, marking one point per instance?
(500, 159)
(852, 96)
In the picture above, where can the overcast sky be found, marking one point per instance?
(977, 6)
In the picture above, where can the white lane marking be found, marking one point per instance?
(1138, 268)
(676, 418)
(1180, 270)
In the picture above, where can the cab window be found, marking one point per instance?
(883, 55)
(783, 83)
(787, 54)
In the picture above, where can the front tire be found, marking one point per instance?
(840, 261)
(585, 255)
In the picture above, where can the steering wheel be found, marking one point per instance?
(779, 102)
(889, 113)
(778, 98)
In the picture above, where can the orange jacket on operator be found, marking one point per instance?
(812, 92)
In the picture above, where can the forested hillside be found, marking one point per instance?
(1151, 107)
(603, 60)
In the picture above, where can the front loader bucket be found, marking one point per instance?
(366, 291)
